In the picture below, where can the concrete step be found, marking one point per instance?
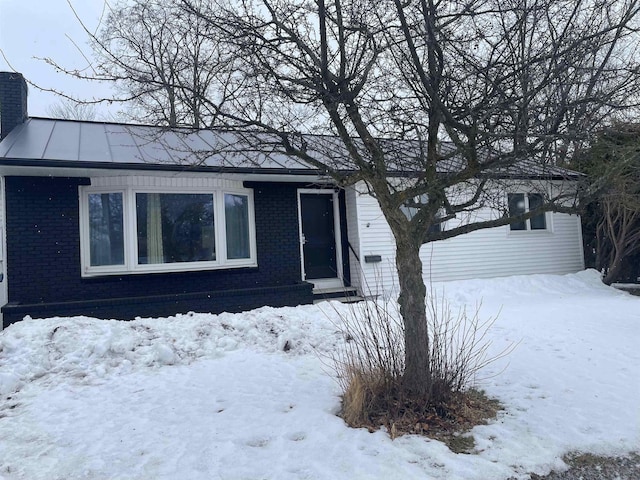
(335, 290)
(341, 294)
(350, 299)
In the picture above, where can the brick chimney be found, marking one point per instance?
(13, 101)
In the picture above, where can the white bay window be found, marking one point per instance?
(133, 230)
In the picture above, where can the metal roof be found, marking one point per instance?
(51, 142)
(44, 142)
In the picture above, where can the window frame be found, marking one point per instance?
(527, 222)
(131, 265)
(410, 212)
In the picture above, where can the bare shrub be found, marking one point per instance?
(459, 347)
(371, 365)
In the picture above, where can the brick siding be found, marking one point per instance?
(44, 271)
(13, 101)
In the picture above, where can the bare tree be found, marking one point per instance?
(437, 106)
(613, 217)
(70, 110)
(167, 64)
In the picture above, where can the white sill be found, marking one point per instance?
(176, 268)
(546, 231)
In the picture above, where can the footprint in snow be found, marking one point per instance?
(297, 436)
(258, 442)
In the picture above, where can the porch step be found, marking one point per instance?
(340, 294)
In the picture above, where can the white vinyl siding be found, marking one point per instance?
(181, 182)
(353, 236)
(481, 254)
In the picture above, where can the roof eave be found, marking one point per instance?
(80, 164)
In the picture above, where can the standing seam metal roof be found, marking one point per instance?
(70, 143)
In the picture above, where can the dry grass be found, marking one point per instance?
(371, 366)
(356, 399)
(367, 404)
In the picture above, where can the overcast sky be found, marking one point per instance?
(48, 28)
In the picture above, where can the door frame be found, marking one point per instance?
(4, 289)
(338, 281)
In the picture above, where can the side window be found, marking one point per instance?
(520, 203)
(236, 213)
(539, 221)
(106, 229)
(412, 207)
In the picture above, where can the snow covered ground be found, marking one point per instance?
(202, 396)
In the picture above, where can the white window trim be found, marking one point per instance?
(548, 219)
(131, 265)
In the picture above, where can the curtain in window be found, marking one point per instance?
(175, 227)
(236, 209)
(155, 250)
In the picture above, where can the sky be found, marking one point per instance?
(32, 29)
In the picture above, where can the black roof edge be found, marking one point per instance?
(78, 164)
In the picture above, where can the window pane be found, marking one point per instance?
(236, 210)
(412, 207)
(435, 228)
(516, 207)
(538, 222)
(106, 240)
(175, 227)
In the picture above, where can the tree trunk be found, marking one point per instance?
(614, 267)
(417, 375)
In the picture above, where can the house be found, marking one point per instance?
(118, 221)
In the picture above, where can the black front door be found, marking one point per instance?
(319, 238)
